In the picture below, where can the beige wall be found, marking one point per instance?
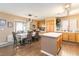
(7, 31)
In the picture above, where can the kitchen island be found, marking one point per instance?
(51, 43)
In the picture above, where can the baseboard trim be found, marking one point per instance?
(46, 53)
(71, 42)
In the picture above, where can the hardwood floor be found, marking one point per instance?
(68, 49)
(7, 51)
(34, 50)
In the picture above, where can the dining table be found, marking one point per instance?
(21, 36)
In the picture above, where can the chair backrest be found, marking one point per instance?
(37, 33)
(29, 36)
(14, 35)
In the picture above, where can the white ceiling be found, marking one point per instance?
(37, 9)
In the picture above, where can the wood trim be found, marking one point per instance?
(46, 53)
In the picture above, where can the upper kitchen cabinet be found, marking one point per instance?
(39, 24)
(35, 23)
(50, 24)
(42, 23)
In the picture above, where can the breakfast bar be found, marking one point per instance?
(51, 43)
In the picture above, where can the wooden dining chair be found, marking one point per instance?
(16, 42)
(14, 37)
(37, 36)
(29, 38)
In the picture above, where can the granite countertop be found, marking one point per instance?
(52, 34)
(75, 31)
(66, 32)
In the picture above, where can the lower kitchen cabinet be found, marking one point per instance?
(77, 37)
(59, 43)
(65, 36)
(72, 37)
(50, 45)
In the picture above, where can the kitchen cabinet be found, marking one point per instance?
(59, 42)
(72, 37)
(50, 24)
(51, 43)
(36, 23)
(77, 37)
(41, 23)
(65, 36)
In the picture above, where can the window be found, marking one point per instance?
(69, 25)
(20, 27)
(2, 24)
(64, 25)
(72, 25)
(27, 26)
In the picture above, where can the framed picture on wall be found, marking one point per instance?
(2, 23)
(10, 24)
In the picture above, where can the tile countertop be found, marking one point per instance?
(52, 34)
